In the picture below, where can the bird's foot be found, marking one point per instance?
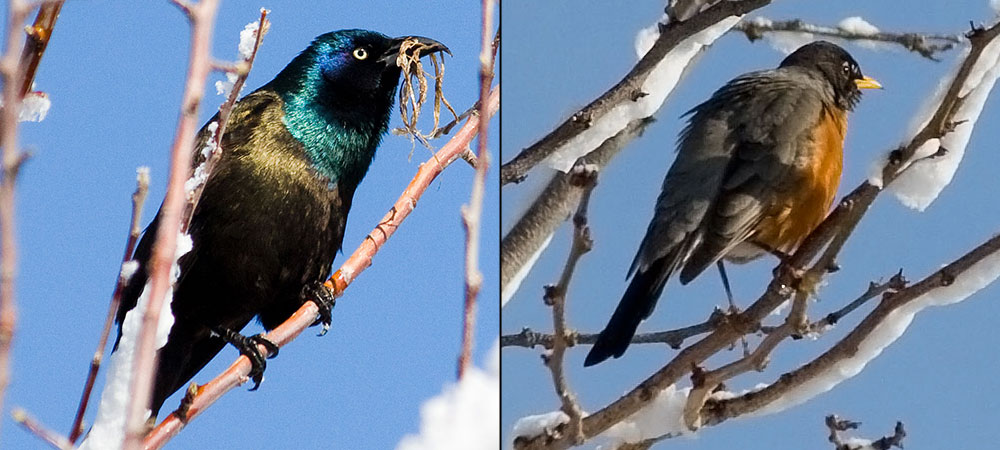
(325, 299)
(247, 345)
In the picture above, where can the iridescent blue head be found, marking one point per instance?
(338, 94)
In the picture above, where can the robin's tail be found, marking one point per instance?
(636, 304)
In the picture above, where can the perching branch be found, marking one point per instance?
(627, 90)
(203, 396)
(925, 44)
(202, 17)
(472, 213)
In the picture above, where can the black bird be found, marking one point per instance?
(272, 215)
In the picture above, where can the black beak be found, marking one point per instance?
(426, 46)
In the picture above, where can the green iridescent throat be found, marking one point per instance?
(339, 143)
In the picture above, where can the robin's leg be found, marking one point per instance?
(732, 304)
(725, 284)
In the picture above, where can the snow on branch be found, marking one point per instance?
(887, 322)
(962, 94)
(531, 234)
(666, 50)
(788, 35)
(464, 415)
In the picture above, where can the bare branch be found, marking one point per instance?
(555, 296)
(31, 424)
(13, 75)
(838, 425)
(925, 44)
(674, 338)
(471, 214)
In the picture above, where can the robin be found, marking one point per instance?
(757, 169)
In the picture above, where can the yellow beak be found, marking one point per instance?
(867, 83)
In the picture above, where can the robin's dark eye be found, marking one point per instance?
(360, 54)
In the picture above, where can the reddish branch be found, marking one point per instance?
(203, 396)
(472, 213)
(202, 17)
(13, 76)
(38, 35)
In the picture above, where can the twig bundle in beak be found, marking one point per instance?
(410, 100)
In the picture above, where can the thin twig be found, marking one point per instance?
(896, 283)
(924, 44)
(674, 338)
(202, 18)
(225, 110)
(472, 213)
(836, 425)
(236, 374)
(49, 436)
(138, 200)
(585, 178)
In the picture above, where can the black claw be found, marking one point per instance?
(325, 299)
(248, 347)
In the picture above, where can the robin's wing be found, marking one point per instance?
(771, 117)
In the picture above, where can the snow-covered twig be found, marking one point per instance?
(250, 40)
(637, 96)
(236, 374)
(202, 17)
(472, 212)
(138, 200)
(881, 327)
(852, 29)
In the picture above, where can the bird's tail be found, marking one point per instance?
(636, 304)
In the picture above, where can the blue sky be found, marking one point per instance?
(933, 379)
(115, 73)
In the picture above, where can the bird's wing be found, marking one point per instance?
(771, 117)
(244, 117)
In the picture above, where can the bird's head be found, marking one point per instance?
(354, 68)
(837, 67)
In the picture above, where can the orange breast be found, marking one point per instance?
(800, 210)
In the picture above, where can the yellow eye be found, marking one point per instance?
(360, 54)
